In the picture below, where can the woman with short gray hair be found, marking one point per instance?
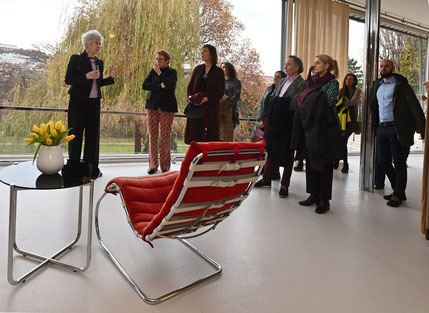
(90, 36)
(85, 77)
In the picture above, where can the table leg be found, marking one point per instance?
(53, 258)
(64, 249)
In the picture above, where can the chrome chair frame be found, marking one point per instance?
(182, 239)
(53, 259)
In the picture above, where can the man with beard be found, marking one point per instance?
(396, 115)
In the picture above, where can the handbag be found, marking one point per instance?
(258, 136)
(192, 110)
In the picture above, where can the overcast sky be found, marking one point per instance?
(262, 20)
(27, 22)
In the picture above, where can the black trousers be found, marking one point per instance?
(84, 117)
(379, 175)
(319, 183)
(390, 148)
(345, 138)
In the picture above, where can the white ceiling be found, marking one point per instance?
(413, 10)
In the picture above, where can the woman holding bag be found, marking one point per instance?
(205, 89)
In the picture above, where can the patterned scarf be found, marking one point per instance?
(316, 82)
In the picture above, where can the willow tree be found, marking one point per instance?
(403, 50)
(133, 31)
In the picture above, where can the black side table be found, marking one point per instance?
(26, 176)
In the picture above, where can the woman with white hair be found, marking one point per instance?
(85, 77)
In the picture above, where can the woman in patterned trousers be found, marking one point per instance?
(161, 104)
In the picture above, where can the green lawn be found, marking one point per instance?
(9, 145)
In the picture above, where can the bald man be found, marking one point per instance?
(396, 114)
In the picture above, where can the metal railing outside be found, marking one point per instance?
(126, 142)
(123, 134)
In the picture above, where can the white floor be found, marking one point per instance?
(361, 257)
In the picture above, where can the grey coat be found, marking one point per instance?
(261, 108)
(294, 90)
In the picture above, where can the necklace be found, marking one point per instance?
(205, 75)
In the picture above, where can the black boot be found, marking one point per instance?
(345, 168)
(262, 183)
(276, 174)
(336, 164)
(312, 199)
(322, 207)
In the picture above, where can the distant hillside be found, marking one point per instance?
(16, 65)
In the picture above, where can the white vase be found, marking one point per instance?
(50, 159)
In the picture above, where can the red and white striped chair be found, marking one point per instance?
(213, 181)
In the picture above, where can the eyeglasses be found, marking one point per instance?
(159, 59)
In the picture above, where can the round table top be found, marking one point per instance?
(26, 175)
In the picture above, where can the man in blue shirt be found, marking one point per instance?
(396, 114)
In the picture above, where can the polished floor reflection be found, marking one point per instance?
(360, 257)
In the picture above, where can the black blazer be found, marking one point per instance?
(407, 112)
(158, 97)
(79, 65)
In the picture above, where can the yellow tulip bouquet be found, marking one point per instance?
(49, 134)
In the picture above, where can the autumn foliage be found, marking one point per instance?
(221, 29)
(133, 31)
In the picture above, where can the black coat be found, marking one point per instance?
(79, 65)
(407, 112)
(163, 98)
(315, 129)
(278, 129)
